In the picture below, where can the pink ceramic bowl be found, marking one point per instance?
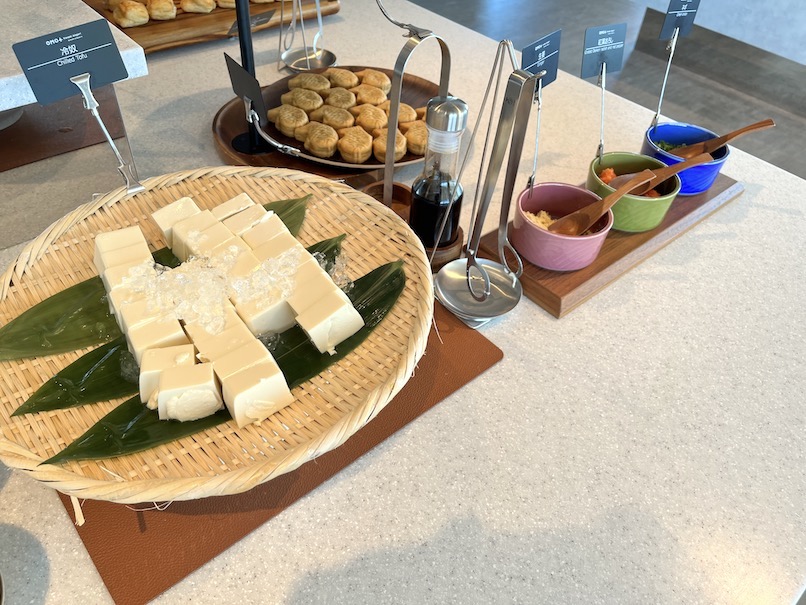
(552, 250)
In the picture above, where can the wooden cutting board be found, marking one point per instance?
(192, 28)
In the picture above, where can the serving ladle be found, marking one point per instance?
(661, 174)
(580, 221)
(711, 145)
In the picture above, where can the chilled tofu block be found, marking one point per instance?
(278, 245)
(133, 253)
(266, 315)
(265, 230)
(234, 246)
(123, 275)
(219, 345)
(121, 296)
(188, 230)
(157, 360)
(134, 314)
(114, 240)
(165, 331)
(188, 392)
(240, 358)
(233, 206)
(329, 322)
(310, 290)
(229, 318)
(245, 219)
(208, 239)
(171, 214)
(244, 266)
(256, 392)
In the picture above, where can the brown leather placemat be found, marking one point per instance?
(561, 292)
(140, 554)
(47, 131)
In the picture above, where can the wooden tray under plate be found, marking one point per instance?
(192, 28)
(559, 293)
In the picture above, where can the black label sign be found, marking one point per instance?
(680, 15)
(604, 44)
(246, 86)
(544, 54)
(49, 62)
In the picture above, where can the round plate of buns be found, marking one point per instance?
(339, 115)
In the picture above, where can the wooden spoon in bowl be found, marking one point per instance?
(661, 174)
(711, 145)
(581, 220)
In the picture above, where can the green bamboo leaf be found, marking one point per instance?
(131, 427)
(74, 318)
(99, 375)
(291, 212)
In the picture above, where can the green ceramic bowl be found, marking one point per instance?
(633, 213)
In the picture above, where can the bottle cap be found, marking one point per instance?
(448, 114)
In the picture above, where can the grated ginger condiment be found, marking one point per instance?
(542, 218)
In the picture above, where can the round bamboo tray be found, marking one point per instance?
(224, 460)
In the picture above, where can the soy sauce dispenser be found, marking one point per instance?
(437, 192)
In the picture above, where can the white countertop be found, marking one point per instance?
(646, 448)
(23, 20)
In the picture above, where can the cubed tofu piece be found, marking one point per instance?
(264, 231)
(114, 240)
(133, 253)
(329, 322)
(188, 392)
(229, 318)
(256, 392)
(233, 206)
(234, 246)
(277, 245)
(240, 358)
(246, 264)
(171, 214)
(312, 283)
(119, 297)
(157, 360)
(136, 313)
(125, 275)
(219, 345)
(208, 239)
(266, 316)
(163, 331)
(245, 219)
(188, 230)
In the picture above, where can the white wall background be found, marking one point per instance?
(777, 26)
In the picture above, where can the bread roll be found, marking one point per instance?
(161, 10)
(197, 6)
(130, 14)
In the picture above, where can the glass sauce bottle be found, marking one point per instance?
(433, 191)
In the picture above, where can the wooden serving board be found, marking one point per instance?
(561, 292)
(192, 28)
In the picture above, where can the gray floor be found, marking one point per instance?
(715, 81)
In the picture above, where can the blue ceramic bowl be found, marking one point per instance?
(694, 180)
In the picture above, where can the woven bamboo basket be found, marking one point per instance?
(224, 460)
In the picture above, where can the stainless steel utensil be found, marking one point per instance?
(307, 57)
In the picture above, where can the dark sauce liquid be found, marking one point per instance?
(429, 202)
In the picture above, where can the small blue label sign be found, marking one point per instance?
(49, 62)
(604, 44)
(680, 15)
(544, 54)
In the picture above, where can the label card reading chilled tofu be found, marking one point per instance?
(603, 44)
(680, 15)
(544, 54)
(49, 62)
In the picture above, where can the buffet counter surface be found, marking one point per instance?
(646, 448)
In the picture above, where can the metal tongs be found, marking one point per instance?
(472, 300)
